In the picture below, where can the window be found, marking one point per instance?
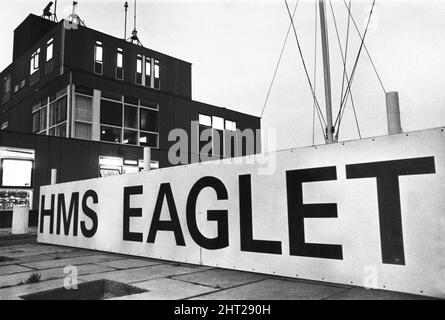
(157, 75)
(83, 117)
(34, 68)
(35, 62)
(49, 56)
(49, 49)
(131, 117)
(230, 125)
(111, 113)
(128, 122)
(39, 116)
(148, 120)
(205, 120)
(7, 84)
(148, 140)
(120, 64)
(110, 134)
(58, 117)
(139, 69)
(130, 137)
(6, 88)
(218, 123)
(98, 58)
(148, 72)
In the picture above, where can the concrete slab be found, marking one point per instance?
(369, 294)
(130, 263)
(73, 254)
(33, 258)
(49, 274)
(141, 274)
(167, 289)
(70, 261)
(221, 278)
(14, 293)
(272, 289)
(12, 269)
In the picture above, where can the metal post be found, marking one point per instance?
(20, 220)
(147, 159)
(126, 14)
(53, 176)
(393, 113)
(327, 72)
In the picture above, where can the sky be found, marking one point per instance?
(234, 46)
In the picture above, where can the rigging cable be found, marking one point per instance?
(306, 71)
(366, 48)
(279, 61)
(345, 75)
(355, 64)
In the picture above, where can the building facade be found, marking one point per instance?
(71, 89)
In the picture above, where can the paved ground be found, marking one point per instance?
(162, 280)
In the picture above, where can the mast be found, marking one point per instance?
(327, 72)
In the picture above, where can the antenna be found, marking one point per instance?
(74, 17)
(126, 15)
(55, 11)
(134, 35)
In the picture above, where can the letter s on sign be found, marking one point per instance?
(90, 213)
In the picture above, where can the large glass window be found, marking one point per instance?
(98, 57)
(110, 134)
(83, 117)
(39, 116)
(128, 122)
(58, 116)
(84, 106)
(148, 120)
(58, 112)
(148, 139)
(131, 117)
(111, 113)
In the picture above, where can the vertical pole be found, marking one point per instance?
(126, 15)
(393, 113)
(147, 159)
(327, 72)
(53, 176)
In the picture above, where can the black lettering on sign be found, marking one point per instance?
(131, 212)
(47, 213)
(73, 211)
(388, 192)
(246, 226)
(298, 211)
(165, 191)
(220, 216)
(90, 213)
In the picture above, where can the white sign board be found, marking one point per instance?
(369, 213)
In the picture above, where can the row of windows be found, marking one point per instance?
(126, 121)
(34, 72)
(220, 126)
(147, 69)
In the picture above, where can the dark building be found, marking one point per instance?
(86, 103)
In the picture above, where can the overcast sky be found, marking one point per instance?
(234, 47)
